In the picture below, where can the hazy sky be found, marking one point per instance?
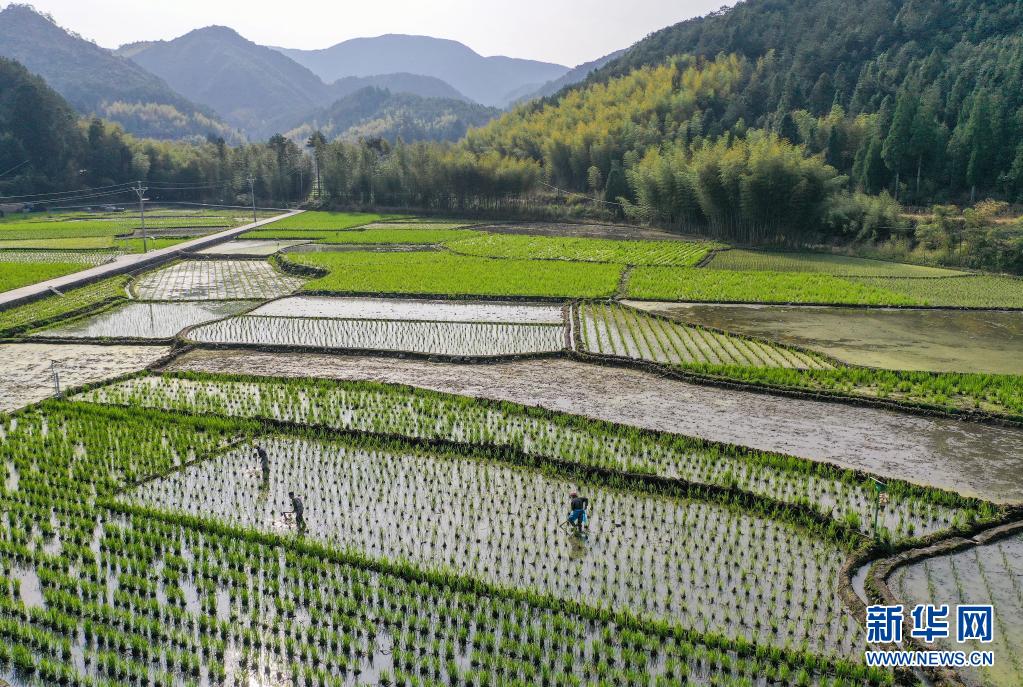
(564, 31)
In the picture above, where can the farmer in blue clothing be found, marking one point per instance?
(577, 515)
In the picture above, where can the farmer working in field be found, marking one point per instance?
(264, 463)
(578, 516)
(299, 510)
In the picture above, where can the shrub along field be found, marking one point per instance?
(446, 274)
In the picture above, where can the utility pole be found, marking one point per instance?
(140, 191)
(252, 191)
(56, 377)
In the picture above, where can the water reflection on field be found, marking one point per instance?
(936, 340)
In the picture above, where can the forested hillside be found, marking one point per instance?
(921, 97)
(378, 113)
(95, 81)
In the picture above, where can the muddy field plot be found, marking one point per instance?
(624, 332)
(988, 574)
(471, 339)
(706, 566)
(26, 369)
(196, 280)
(265, 247)
(145, 320)
(387, 410)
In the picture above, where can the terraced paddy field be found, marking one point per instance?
(734, 286)
(145, 320)
(195, 280)
(970, 458)
(935, 340)
(987, 574)
(839, 265)
(617, 331)
(62, 305)
(732, 475)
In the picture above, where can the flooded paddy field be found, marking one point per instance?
(410, 309)
(388, 411)
(145, 320)
(988, 574)
(617, 331)
(195, 280)
(503, 523)
(470, 339)
(935, 340)
(26, 376)
(262, 247)
(973, 459)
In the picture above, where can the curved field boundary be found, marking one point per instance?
(911, 407)
(843, 305)
(883, 566)
(641, 314)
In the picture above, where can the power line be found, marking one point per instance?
(20, 164)
(124, 186)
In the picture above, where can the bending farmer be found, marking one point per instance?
(578, 516)
(264, 463)
(299, 510)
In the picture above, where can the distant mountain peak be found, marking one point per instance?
(486, 80)
(95, 80)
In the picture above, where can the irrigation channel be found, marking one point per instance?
(976, 460)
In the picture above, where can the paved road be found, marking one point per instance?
(127, 263)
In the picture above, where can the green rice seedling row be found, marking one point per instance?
(471, 339)
(14, 275)
(728, 286)
(144, 320)
(194, 280)
(611, 329)
(421, 310)
(377, 234)
(954, 391)
(974, 291)
(704, 566)
(988, 574)
(678, 253)
(446, 274)
(387, 410)
(73, 301)
(90, 258)
(823, 263)
(94, 591)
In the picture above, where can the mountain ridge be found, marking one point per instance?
(95, 81)
(486, 80)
